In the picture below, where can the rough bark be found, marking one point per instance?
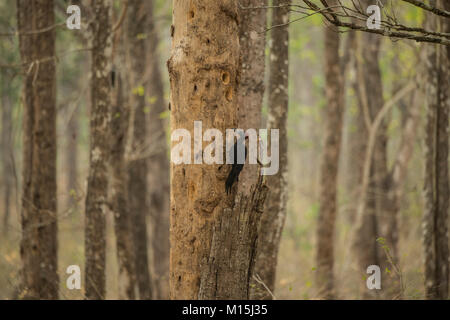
(272, 220)
(436, 187)
(329, 166)
(158, 166)
(213, 235)
(119, 194)
(97, 188)
(38, 246)
(252, 40)
(137, 166)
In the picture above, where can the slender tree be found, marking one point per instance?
(370, 98)
(119, 187)
(6, 144)
(159, 179)
(272, 220)
(97, 188)
(213, 234)
(252, 40)
(71, 155)
(330, 163)
(436, 188)
(137, 166)
(39, 213)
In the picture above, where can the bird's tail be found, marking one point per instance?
(229, 183)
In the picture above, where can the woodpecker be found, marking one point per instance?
(236, 167)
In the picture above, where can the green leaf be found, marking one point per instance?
(140, 91)
(164, 114)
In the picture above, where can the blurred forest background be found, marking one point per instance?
(401, 62)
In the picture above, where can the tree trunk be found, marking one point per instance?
(272, 220)
(137, 166)
(252, 40)
(72, 158)
(38, 247)
(394, 189)
(329, 166)
(370, 96)
(7, 150)
(119, 194)
(213, 235)
(158, 166)
(97, 188)
(436, 188)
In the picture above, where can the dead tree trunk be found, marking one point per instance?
(97, 188)
(272, 220)
(158, 166)
(137, 165)
(436, 188)
(213, 235)
(38, 247)
(329, 166)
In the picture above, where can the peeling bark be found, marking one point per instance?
(209, 258)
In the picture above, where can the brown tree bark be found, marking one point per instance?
(97, 188)
(436, 188)
(72, 158)
(213, 235)
(252, 40)
(370, 96)
(119, 191)
(6, 144)
(272, 220)
(39, 244)
(334, 91)
(137, 166)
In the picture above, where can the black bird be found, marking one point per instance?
(236, 167)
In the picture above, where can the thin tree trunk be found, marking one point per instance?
(252, 40)
(272, 220)
(158, 166)
(436, 188)
(7, 156)
(119, 194)
(38, 247)
(394, 185)
(97, 188)
(329, 166)
(72, 158)
(370, 96)
(213, 235)
(137, 166)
